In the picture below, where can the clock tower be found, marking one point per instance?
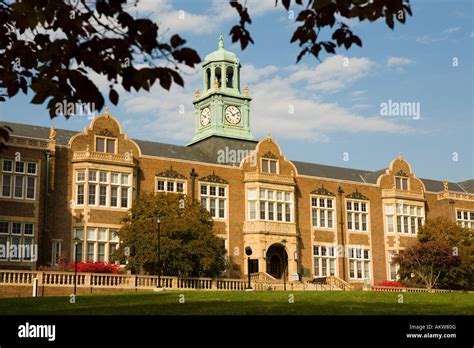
(221, 109)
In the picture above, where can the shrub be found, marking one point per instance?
(96, 267)
(391, 284)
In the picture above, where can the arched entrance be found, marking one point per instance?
(276, 257)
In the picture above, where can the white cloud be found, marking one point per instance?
(426, 40)
(398, 61)
(333, 74)
(452, 30)
(280, 105)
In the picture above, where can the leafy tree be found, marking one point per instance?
(426, 261)
(52, 46)
(188, 245)
(319, 14)
(460, 240)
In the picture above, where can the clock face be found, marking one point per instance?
(205, 116)
(232, 114)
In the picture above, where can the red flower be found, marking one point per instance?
(390, 284)
(96, 267)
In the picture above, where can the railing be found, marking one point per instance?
(102, 156)
(401, 289)
(456, 195)
(17, 278)
(331, 283)
(388, 193)
(269, 177)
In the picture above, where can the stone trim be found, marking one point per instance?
(401, 173)
(270, 155)
(357, 195)
(170, 173)
(214, 179)
(322, 191)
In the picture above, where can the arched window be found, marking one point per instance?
(218, 75)
(208, 79)
(229, 77)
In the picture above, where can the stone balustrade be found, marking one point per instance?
(92, 156)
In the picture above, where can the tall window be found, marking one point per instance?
(401, 183)
(18, 179)
(359, 263)
(393, 267)
(269, 205)
(16, 240)
(465, 218)
(170, 185)
(99, 245)
(214, 199)
(104, 189)
(322, 212)
(269, 165)
(324, 261)
(104, 144)
(405, 218)
(357, 215)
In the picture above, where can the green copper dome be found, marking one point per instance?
(221, 54)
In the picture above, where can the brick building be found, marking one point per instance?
(57, 184)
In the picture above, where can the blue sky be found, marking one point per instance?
(336, 108)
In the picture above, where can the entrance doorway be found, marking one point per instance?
(276, 257)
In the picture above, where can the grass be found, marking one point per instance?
(245, 303)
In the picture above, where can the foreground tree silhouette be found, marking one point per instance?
(52, 46)
(189, 247)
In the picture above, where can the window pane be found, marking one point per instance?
(92, 189)
(19, 167)
(16, 228)
(204, 190)
(265, 166)
(102, 195)
(80, 194)
(273, 166)
(91, 234)
(160, 185)
(103, 176)
(18, 186)
(124, 197)
(90, 252)
(100, 144)
(179, 187)
(7, 165)
(251, 194)
(170, 186)
(212, 209)
(92, 175)
(79, 252)
(113, 196)
(30, 187)
(221, 208)
(330, 220)
(114, 178)
(80, 175)
(287, 212)
(262, 211)
(28, 229)
(101, 252)
(111, 145)
(263, 194)
(221, 191)
(270, 211)
(102, 234)
(252, 212)
(31, 168)
(79, 233)
(287, 196)
(4, 227)
(124, 179)
(6, 185)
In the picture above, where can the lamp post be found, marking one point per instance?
(158, 222)
(76, 241)
(283, 242)
(248, 252)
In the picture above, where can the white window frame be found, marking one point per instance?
(353, 215)
(356, 257)
(216, 198)
(329, 257)
(318, 208)
(170, 180)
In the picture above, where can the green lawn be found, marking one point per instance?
(244, 303)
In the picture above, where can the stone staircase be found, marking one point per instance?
(264, 281)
